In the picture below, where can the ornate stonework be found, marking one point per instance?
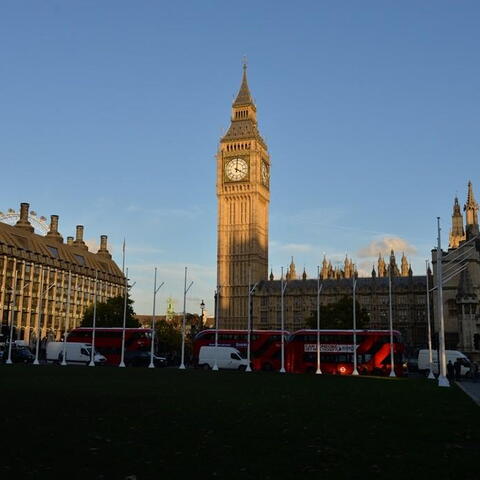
(243, 182)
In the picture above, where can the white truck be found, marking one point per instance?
(76, 353)
(226, 358)
(452, 355)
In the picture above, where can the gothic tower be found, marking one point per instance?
(471, 216)
(243, 194)
(457, 233)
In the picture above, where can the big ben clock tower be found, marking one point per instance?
(243, 193)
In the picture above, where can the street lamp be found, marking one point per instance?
(283, 286)
(185, 291)
(354, 287)
(155, 291)
(202, 308)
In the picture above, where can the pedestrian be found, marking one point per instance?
(458, 369)
(474, 371)
(450, 370)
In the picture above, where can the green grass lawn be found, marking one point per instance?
(94, 423)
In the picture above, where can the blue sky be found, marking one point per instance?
(111, 112)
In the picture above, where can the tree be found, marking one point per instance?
(339, 315)
(168, 337)
(110, 314)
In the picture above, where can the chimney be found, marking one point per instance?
(23, 221)
(69, 240)
(53, 232)
(79, 238)
(103, 250)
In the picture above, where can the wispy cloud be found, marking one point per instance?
(384, 245)
(294, 247)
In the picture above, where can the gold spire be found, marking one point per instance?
(457, 233)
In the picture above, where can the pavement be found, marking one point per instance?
(472, 389)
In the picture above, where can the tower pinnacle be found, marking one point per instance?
(457, 233)
(471, 209)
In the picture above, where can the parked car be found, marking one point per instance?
(225, 358)
(76, 353)
(141, 358)
(451, 355)
(22, 354)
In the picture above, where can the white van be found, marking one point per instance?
(452, 355)
(76, 353)
(226, 357)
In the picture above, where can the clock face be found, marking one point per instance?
(265, 174)
(236, 169)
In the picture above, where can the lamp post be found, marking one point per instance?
(155, 291)
(283, 286)
(39, 317)
(185, 291)
(354, 287)
(319, 289)
(429, 326)
(217, 322)
(202, 308)
(390, 315)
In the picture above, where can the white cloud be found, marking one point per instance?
(295, 247)
(384, 245)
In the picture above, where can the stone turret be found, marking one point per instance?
(471, 216)
(457, 233)
(404, 267)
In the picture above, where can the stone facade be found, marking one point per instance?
(243, 182)
(32, 263)
(300, 302)
(461, 280)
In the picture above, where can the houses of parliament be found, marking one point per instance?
(243, 194)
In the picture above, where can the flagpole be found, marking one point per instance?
(283, 286)
(39, 317)
(122, 354)
(390, 315)
(442, 376)
(355, 371)
(185, 290)
(94, 322)
(319, 289)
(430, 352)
(155, 291)
(11, 313)
(67, 317)
(217, 311)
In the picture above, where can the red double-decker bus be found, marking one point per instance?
(336, 352)
(265, 345)
(108, 342)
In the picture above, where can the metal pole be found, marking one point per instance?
(124, 323)
(67, 317)
(11, 313)
(39, 318)
(319, 289)
(184, 323)
(94, 323)
(283, 286)
(355, 371)
(442, 376)
(430, 353)
(155, 291)
(390, 315)
(249, 327)
(215, 365)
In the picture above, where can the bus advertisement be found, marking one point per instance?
(337, 349)
(265, 345)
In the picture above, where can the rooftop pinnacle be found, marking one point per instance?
(244, 97)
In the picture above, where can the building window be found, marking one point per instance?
(80, 259)
(53, 251)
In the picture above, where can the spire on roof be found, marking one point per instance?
(457, 233)
(244, 96)
(471, 209)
